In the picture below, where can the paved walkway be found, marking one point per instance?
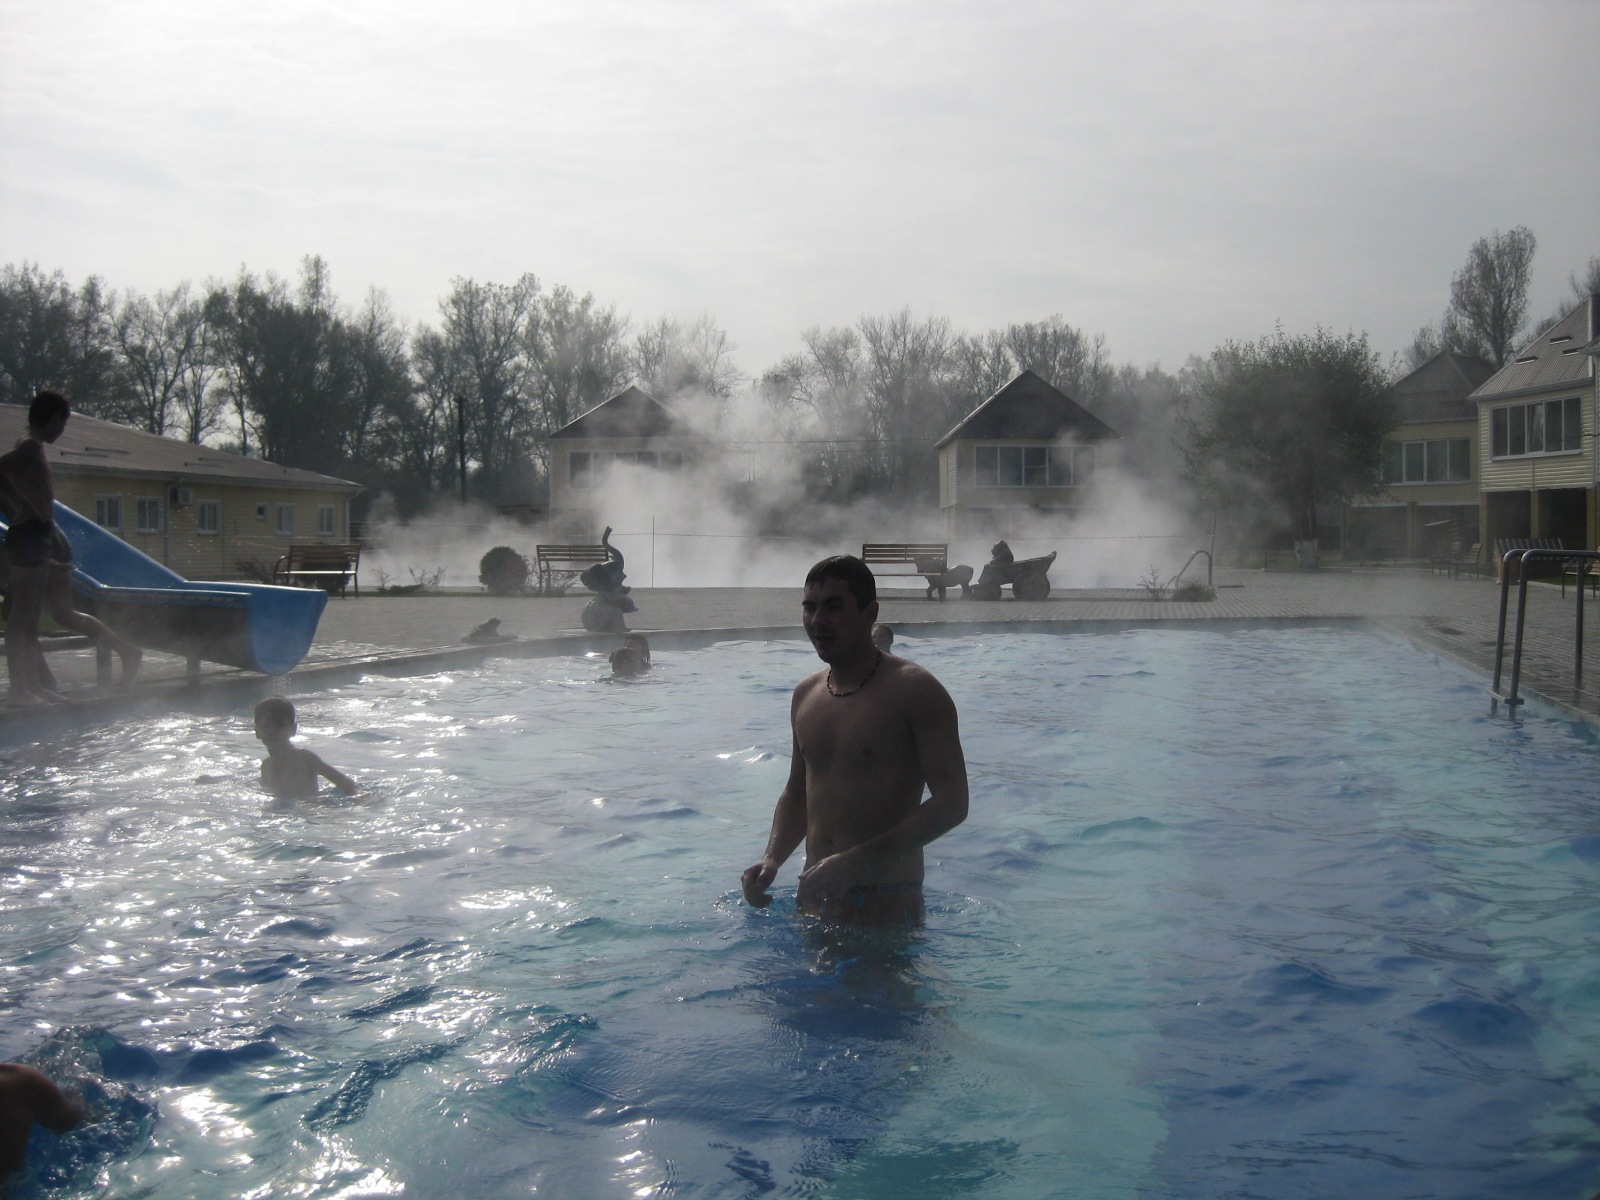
(421, 633)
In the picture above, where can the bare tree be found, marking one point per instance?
(1062, 356)
(673, 360)
(1489, 296)
(163, 346)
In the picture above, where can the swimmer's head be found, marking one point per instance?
(883, 636)
(857, 577)
(637, 641)
(627, 662)
(275, 719)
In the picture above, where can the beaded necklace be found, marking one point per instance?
(828, 682)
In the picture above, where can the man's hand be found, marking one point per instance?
(830, 877)
(756, 880)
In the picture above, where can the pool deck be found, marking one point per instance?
(417, 634)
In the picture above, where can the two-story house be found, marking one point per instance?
(1430, 464)
(1536, 435)
(631, 429)
(1027, 449)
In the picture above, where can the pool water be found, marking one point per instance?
(1277, 912)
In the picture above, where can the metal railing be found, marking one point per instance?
(1173, 582)
(1516, 563)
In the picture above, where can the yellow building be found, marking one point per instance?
(1430, 465)
(1027, 450)
(203, 513)
(1536, 437)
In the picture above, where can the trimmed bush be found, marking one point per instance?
(503, 571)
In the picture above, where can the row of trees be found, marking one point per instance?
(292, 374)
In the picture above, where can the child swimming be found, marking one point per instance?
(290, 772)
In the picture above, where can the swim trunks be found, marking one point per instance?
(875, 904)
(33, 543)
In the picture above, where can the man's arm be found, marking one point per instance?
(788, 831)
(936, 734)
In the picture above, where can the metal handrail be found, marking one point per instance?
(1518, 560)
(1173, 581)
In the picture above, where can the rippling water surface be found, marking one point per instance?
(1273, 913)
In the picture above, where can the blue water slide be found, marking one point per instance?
(254, 626)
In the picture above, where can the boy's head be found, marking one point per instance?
(275, 719)
(638, 642)
(49, 408)
(627, 662)
(883, 636)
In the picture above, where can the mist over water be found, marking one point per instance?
(755, 524)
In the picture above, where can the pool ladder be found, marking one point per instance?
(1173, 582)
(1516, 562)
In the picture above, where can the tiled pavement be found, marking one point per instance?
(423, 633)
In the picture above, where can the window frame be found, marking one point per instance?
(141, 506)
(104, 505)
(279, 509)
(1013, 465)
(329, 527)
(1525, 430)
(201, 508)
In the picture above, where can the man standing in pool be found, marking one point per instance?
(869, 732)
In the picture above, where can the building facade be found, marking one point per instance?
(1028, 450)
(630, 430)
(203, 513)
(1431, 466)
(1536, 437)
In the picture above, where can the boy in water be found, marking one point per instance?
(41, 558)
(290, 772)
(883, 637)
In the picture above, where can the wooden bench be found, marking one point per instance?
(331, 567)
(927, 559)
(558, 567)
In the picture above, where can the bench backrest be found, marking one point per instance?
(570, 554)
(313, 557)
(903, 552)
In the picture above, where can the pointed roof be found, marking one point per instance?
(631, 413)
(1554, 359)
(1031, 409)
(92, 446)
(1440, 388)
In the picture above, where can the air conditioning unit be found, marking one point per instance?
(181, 497)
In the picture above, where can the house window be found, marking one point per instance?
(1442, 460)
(148, 514)
(1034, 466)
(579, 468)
(285, 520)
(208, 516)
(325, 520)
(1543, 427)
(108, 513)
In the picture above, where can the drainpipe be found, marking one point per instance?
(166, 522)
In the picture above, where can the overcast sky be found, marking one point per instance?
(1169, 174)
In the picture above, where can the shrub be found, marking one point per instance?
(503, 571)
(1193, 591)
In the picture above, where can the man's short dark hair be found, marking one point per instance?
(855, 573)
(46, 407)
